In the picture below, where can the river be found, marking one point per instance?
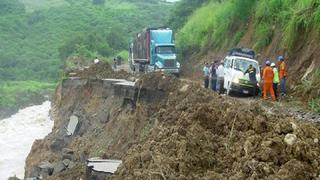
(17, 133)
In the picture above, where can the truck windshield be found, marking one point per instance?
(243, 65)
(165, 50)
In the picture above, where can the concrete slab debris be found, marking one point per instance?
(126, 83)
(114, 80)
(73, 123)
(104, 165)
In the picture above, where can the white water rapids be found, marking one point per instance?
(17, 134)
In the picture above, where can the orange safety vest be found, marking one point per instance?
(268, 75)
(283, 70)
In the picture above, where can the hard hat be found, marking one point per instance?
(273, 64)
(268, 62)
(280, 58)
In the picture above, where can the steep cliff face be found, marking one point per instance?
(112, 115)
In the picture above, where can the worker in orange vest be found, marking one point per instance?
(268, 81)
(283, 75)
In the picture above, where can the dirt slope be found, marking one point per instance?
(175, 130)
(201, 135)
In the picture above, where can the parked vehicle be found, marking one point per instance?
(235, 64)
(154, 50)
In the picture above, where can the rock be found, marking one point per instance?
(184, 88)
(66, 162)
(58, 167)
(35, 172)
(72, 74)
(45, 164)
(290, 139)
(104, 117)
(57, 144)
(67, 151)
(133, 79)
(294, 126)
(72, 126)
(71, 165)
(316, 140)
(146, 156)
(45, 168)
(68, 156)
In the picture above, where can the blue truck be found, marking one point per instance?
(153, 49)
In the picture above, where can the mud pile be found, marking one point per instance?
(98, 71)
(158, 81)
(200, 135)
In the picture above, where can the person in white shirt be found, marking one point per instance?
(220, 77)
(96, 60)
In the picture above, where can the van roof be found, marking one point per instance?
(239, 57)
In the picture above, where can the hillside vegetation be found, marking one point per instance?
(37, 36)
(222, 23)
(270, 27)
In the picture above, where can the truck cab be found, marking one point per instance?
(154, 50)
(235, 79)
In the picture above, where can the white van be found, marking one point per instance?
(234, 78)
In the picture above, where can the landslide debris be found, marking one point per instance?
(101, 70)
(158, 81)
(200, 135)
(178, 130)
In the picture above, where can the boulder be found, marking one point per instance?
(58, 167)
(71, 165)
(290, 139)
(57, 144)
(66, 162)
(67, 151)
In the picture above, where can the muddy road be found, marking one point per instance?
(282, 106)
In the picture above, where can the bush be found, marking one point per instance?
(221, 24)
(214, 25)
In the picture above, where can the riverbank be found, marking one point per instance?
(16, 95)
(17, 135)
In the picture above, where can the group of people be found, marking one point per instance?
(272, 76)
(213, 76)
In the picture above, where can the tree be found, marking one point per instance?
(11, 7)
(98, 2)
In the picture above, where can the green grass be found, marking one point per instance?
(14, 93)
(219, 25)
(33, 5)
(315, 104)
(215, 25)
(309, 90)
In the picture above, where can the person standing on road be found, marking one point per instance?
(252, 71)
(114, 63)
(96, 60)
(206, 73)
(283, 75)
(276, 79)
(213, 74)
(220, 77)
(268, 81)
